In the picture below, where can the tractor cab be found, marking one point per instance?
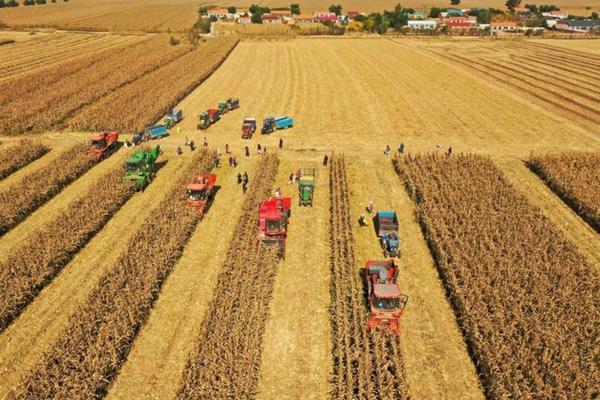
(200, 192)
(273, 218)
(232, 103)
(306, 186)
(103, 144)
(248, 128)
(385, 300)
(268, 125)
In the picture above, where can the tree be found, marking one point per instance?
(484, 17)
(532, 7)
(336, 9)
(594, 15)
(295, 9)
(256, 18)
(434, 12)
(203, 11)
(12, 3)
(455, 2)
(511, 4)
(231, 10)
(397, 18)
(2, 5)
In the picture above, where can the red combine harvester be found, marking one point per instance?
(103, 144)
(273, 218)
(201, 192)
(386, 302)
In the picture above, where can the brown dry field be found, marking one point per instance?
(347, 95)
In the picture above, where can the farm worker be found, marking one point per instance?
(234, 162)
(244, 188)
(401, 148)
(205, 142)
(258, 148)
(278, 192)
(362, 221)
(239, 178)
(386, 152)
(192, 146)
(178, 129)
(227, 148)
(187, 141)
(179, 151)
(449, 151)
(292, 178)
(370, 207)
(247, 151)
(325, 160)
(265, 149)
(281, 143)
(245, 177)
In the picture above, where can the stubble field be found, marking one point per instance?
(350, 96)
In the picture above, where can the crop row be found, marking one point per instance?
(87, 355)
(573, 176)
(16, 157)
(367, 365)
(225, 363)
(147, 99)
(42, 254)
(39, 101)
(526, 300)
(22, 198)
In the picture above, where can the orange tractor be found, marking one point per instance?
(201, 192)
(385, 301)
(273, 219)
(103, 145)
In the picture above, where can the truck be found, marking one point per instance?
(173, 117)
(223, 107)
(385, 301)
(232, 104)
(271, 124)
(248, 128)
(103, 144)
(306, 186)
(386, 227)
(140, 168)
(155, 132)
(273, 219)
(201, 193)
(208, 118)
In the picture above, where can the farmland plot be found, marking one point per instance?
(543, 342)
(44, 100)
(574, 178)
(18, 156)
(121, 300)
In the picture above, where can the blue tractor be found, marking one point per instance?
(386, 226)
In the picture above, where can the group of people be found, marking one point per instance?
(388, 150)
(362, 220)
(243, 179)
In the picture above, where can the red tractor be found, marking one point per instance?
(103, 144)
(386, 302)
(273, 218)
(201, 192)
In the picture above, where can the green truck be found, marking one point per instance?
(306, 186)
(140, 168)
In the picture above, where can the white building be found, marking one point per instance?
(422, 24)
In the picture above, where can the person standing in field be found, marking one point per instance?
(401, 148)
(387, 150)
(370, 207)
(178, 129)
(205, 142)
(449, 151)
(325, 160)
(179, 151)
(281, 143)
(227, 149)
(239, 178)
(247, 151)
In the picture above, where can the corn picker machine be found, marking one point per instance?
(141, 168)
(103, 144)
(273, 219)
(385, 301)
(201, 192)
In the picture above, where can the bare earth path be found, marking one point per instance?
(435, 355)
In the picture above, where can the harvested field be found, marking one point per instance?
(43, 253)
(573, 91)
(226, 360)
(57, 48)
(18, 156)
(21, 198)
(573, 176)
(44, 100)
(121, 301)
(543, 342)
(169, 84)
(358, 356)
(118, 16)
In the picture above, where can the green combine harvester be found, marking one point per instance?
(140, 168)
(306, 186)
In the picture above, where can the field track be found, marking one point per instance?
(226, 360)
(121, 302)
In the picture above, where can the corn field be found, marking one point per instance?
(42, 254)
(23, 197)
(526, 300)
(13, 158)
(573, 176)
(100, 333)
(367, 365)
(226, 361)
(135, 106)
(45, 99)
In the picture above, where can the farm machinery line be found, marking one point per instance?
(214, 114)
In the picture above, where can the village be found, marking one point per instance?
(510, 19)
